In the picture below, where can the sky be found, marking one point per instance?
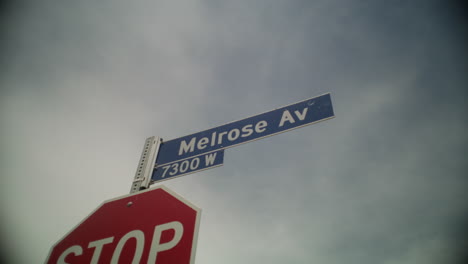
(84, 83)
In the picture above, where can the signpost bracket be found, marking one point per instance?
(146, 164)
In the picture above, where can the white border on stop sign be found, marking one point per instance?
(178, 196)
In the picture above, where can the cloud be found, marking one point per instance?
(85, 82)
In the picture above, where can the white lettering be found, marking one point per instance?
(184, 166)
(202, 143)
(260, 126)
(286, 117)
(76, 250)
(155, 244)
(166, 168)
(98, 245)
(233, 134)
(140, 239)
(194, 164)
(185, 148)
(236, 133)
(175, 169)
(209, 159)
(139, 236)
(303, 115)
(220, 137)
(247, 130)
(213, 139)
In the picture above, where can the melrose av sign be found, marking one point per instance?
(173, 154)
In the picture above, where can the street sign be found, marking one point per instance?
(151, 226)
(187, 166)
(277, 121)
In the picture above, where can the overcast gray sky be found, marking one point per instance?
(84, 83)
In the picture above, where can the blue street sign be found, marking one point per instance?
(277, 121)
(186, 166)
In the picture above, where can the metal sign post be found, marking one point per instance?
(146, 165)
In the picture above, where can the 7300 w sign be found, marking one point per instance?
(190, 165)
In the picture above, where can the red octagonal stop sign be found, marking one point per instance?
(152, 226)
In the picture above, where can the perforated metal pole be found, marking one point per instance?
(146, 165)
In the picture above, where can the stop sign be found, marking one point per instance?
(151, 226)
